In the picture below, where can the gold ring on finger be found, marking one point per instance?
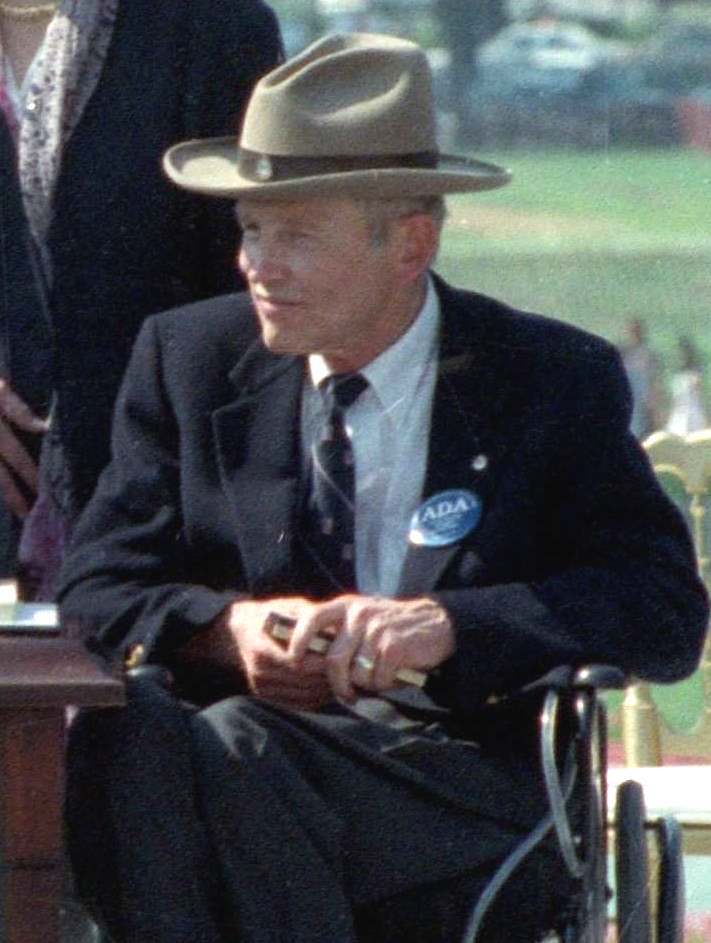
(366, 663)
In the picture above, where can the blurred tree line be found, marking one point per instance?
(464, 26)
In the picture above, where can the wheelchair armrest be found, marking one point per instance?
(588, 677)
(586, 752)
(154, 673)
(600, 676)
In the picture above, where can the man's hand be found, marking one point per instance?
(270, 672)
(15, 413)
(373, 638)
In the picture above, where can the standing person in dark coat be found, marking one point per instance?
(421, 479)
(92, 237)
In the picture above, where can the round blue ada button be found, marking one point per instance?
(445, 518)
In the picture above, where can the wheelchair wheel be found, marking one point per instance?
(591, 924)
(671, 892)
(631, 866)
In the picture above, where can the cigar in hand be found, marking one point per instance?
(280, 628)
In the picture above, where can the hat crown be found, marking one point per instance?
(345, 95)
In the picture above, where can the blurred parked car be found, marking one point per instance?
(545, 57)
(559, 83)
(677, 59)
(615, 97)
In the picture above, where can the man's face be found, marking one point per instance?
(318, 282)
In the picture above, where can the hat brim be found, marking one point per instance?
(211, 167)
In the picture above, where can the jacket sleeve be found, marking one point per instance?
(125, 581)
(620, 586)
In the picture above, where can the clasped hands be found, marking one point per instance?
(372, 639)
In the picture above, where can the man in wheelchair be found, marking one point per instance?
(350, 515)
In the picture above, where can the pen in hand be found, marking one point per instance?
(280, 628)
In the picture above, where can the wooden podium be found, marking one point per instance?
(41, 675)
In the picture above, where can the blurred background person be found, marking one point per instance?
(687, 411)
(644, 372)
(92, 237)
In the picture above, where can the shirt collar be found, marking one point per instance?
(391, 370)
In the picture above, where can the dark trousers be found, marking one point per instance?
(242, 822)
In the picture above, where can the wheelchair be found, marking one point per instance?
(573, 755)
(574, 711)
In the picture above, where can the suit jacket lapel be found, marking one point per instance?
(258, 443)
(258, 453)
(468, 437)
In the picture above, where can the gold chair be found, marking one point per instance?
(674, 766)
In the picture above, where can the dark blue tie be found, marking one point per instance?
(332, 498)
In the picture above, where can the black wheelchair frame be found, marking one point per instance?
(571, 700)
(640, 916)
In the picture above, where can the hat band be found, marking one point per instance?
(268, 168)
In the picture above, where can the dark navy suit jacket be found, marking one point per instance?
(125, 243)
(578, 557)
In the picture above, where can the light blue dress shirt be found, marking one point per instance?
(389, 427)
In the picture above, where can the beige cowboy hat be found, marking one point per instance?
(352, 114)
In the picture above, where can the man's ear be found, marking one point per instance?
(418, 244)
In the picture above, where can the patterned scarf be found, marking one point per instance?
(63, 79)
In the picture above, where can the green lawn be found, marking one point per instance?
(593, 238)
(681, 705)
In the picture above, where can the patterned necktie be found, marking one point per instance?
(332, 500)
